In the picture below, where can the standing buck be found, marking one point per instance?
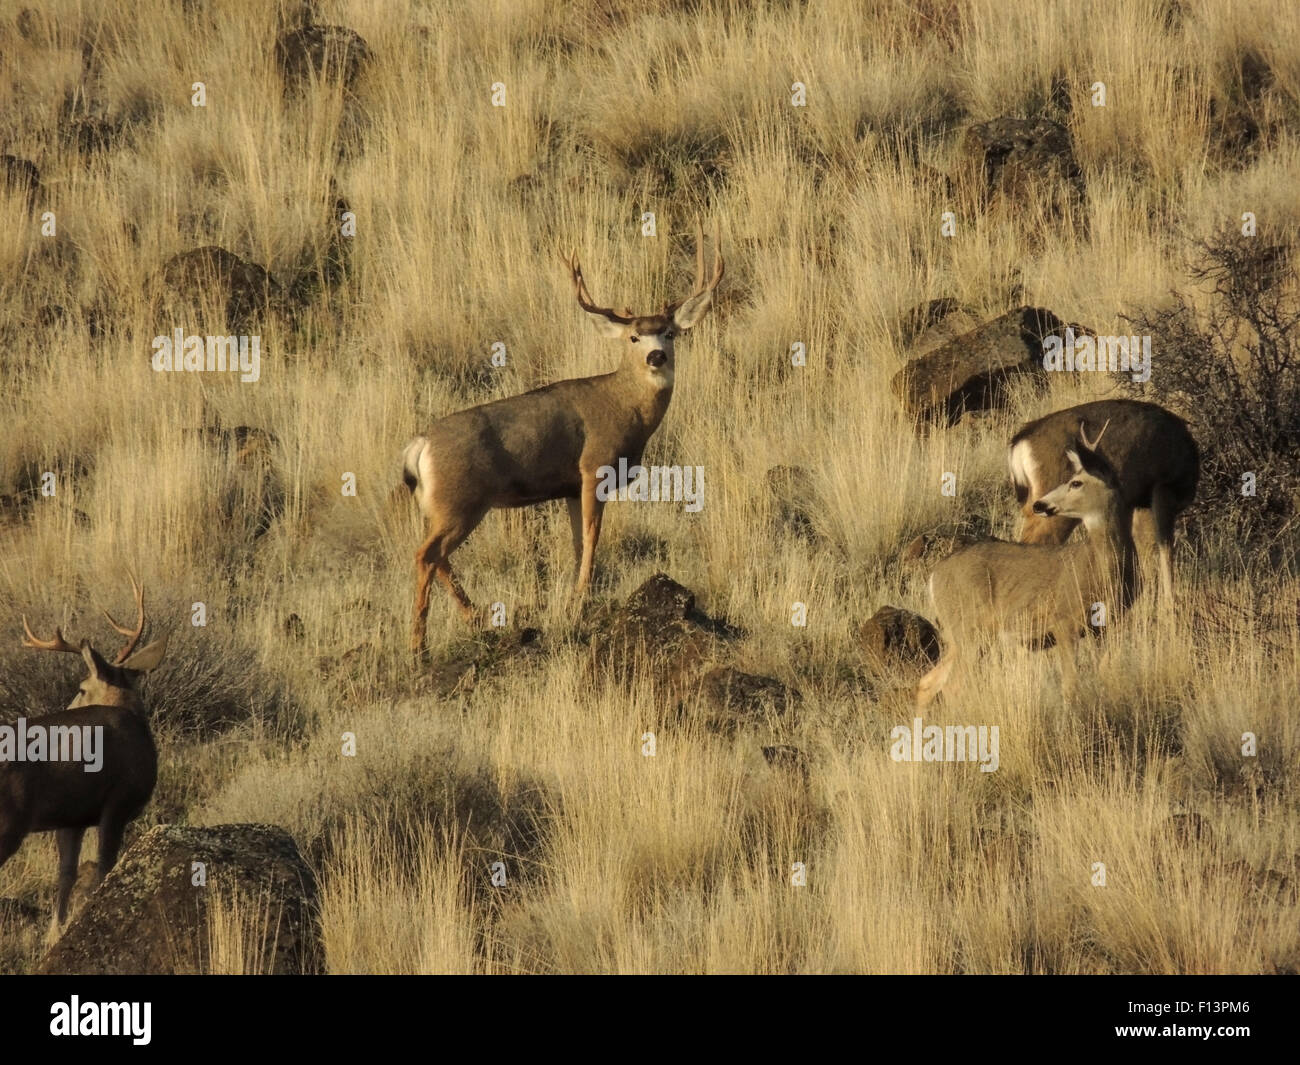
(1042, 592)
(549, 443)
(61, 796)
(1150, 450)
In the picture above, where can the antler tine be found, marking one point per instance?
(580, 284)
(56, 644)
(132, 635)
(699, 255)
(584, 294)
(1091, 445)
(718, 264)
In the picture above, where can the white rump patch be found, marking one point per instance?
(417, 469)
(1024, 467)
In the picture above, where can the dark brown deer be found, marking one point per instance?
(550, 443)
(59, 794)
(1151, 451)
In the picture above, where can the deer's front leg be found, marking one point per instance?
(592, 508)
(1067, 644)
(576, 528)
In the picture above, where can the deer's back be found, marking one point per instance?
(1000, 586)
(62, 794)
(528, 448)
(1144, 443)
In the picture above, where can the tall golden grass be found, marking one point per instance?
(617, 862)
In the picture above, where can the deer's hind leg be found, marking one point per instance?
(1067, 646)
(938, 677)
(431, 561)
(1163, 513)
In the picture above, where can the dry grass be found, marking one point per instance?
(617, 862)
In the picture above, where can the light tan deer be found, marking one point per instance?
(549, 443)
(58, 794)
(1151, 451)
(1044, 593)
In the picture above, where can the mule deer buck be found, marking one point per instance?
(1043, 592)
(549, 443)
(1150, 450)
(65, 794)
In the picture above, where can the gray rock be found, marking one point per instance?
(894, 637)
(333, 53)
(972, 371)
(249, 292)
(1016, 157)
(148, 917)
(782, 757)
(659, 628)
(737, 699)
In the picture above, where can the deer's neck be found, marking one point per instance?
(644, 397)
(122, 699)
(1110, 540)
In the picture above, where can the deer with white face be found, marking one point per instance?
(1043, 593)
(550, 443)
(59, 794)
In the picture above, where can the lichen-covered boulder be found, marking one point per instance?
(972, 371)
(154, 911)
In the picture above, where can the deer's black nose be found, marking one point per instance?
(656, 358)
(1044, 508)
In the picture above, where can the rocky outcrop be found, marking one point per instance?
(153, 912)
(894, 637)
(1018, 159)
(972, 372)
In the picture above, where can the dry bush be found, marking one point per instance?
(1233, 362)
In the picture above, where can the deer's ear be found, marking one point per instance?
(147, 658)
(1075, 461)
(607, 328)
(693, 309)
(94, 661)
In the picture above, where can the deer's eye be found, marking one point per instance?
(1076, 484)
(669, 335)
(634, 340)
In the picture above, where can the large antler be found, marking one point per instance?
(56, 644)
(132, 635)
(1091, 445)
(718, 265)
(584, 297)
